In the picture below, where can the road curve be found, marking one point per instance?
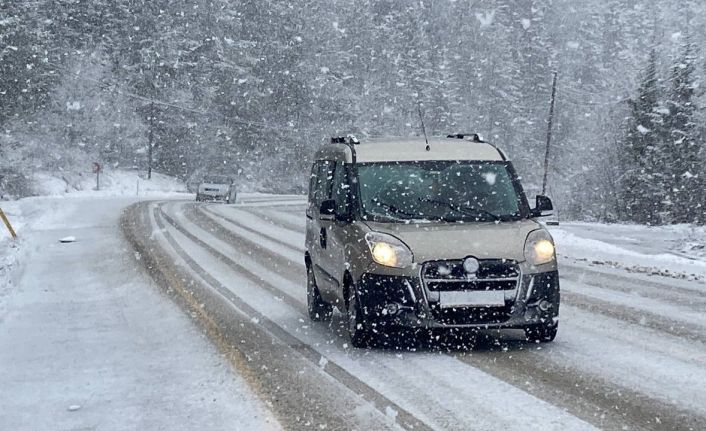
(630, 354)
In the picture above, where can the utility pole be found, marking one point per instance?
(549, 134)
(151, 137)
(97, 170)
(153, 90)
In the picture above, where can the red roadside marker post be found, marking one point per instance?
(97, 171)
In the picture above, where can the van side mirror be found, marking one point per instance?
(327, 211)
(543, 207)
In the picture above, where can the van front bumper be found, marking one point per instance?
(401, 301)
(212, 196)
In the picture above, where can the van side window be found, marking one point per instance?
(320, 184)
(341, 188)
(313, 188)
(329, 168)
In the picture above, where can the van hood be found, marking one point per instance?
(439, 241)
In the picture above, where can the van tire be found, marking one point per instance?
(542, 333)
(318, 309)
(358, 330)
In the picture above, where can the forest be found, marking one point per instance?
(251, 88)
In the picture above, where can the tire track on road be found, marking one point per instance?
(659, 287)
(279, 218)
(245, 343)
(599, 401)
(357, 386)
(262, 233)
(678, 328)
(260, 252)
(589, 397)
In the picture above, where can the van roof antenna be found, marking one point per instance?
(421, 119)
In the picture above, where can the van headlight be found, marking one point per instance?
(388, 250)
(539, 247)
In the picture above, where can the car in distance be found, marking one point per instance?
(437, 234)
(216, 188)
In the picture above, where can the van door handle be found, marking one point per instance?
(322, 237)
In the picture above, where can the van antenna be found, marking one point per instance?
(421, 119)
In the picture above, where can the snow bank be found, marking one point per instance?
(112, 183)
(9, 248)
(676, 251)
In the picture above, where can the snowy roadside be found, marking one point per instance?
(9, 248)
(8, 261)
(41, 211)
(87, 342)
(672, 251)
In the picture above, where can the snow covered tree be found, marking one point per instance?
(682, 148)
(255, 86)
(26, 74)
(642, 182)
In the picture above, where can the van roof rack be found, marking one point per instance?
(348, 140)
(476, 138)
(473, 137)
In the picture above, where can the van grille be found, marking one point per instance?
(449, 275)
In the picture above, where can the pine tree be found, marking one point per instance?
(25, 72)
(641, 185)
(684, 167)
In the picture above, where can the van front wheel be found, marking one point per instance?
(319, 310)
(357, 328)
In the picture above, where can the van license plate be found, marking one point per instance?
(492, 298)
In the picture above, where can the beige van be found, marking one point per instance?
(405, 233)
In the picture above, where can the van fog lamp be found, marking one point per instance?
(388, 250)
(545, 305)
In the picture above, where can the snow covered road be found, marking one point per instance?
(631, 351)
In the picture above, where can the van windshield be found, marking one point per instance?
(450, 191)
(216, 179)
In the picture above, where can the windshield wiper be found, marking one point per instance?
(465, 210)
(462, 210)
(393, 209)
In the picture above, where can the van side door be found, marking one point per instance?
(334, 258)
(317, 231)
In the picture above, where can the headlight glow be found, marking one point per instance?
(388, 250)
(543, 250)
(384, 254)
(539, 247)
